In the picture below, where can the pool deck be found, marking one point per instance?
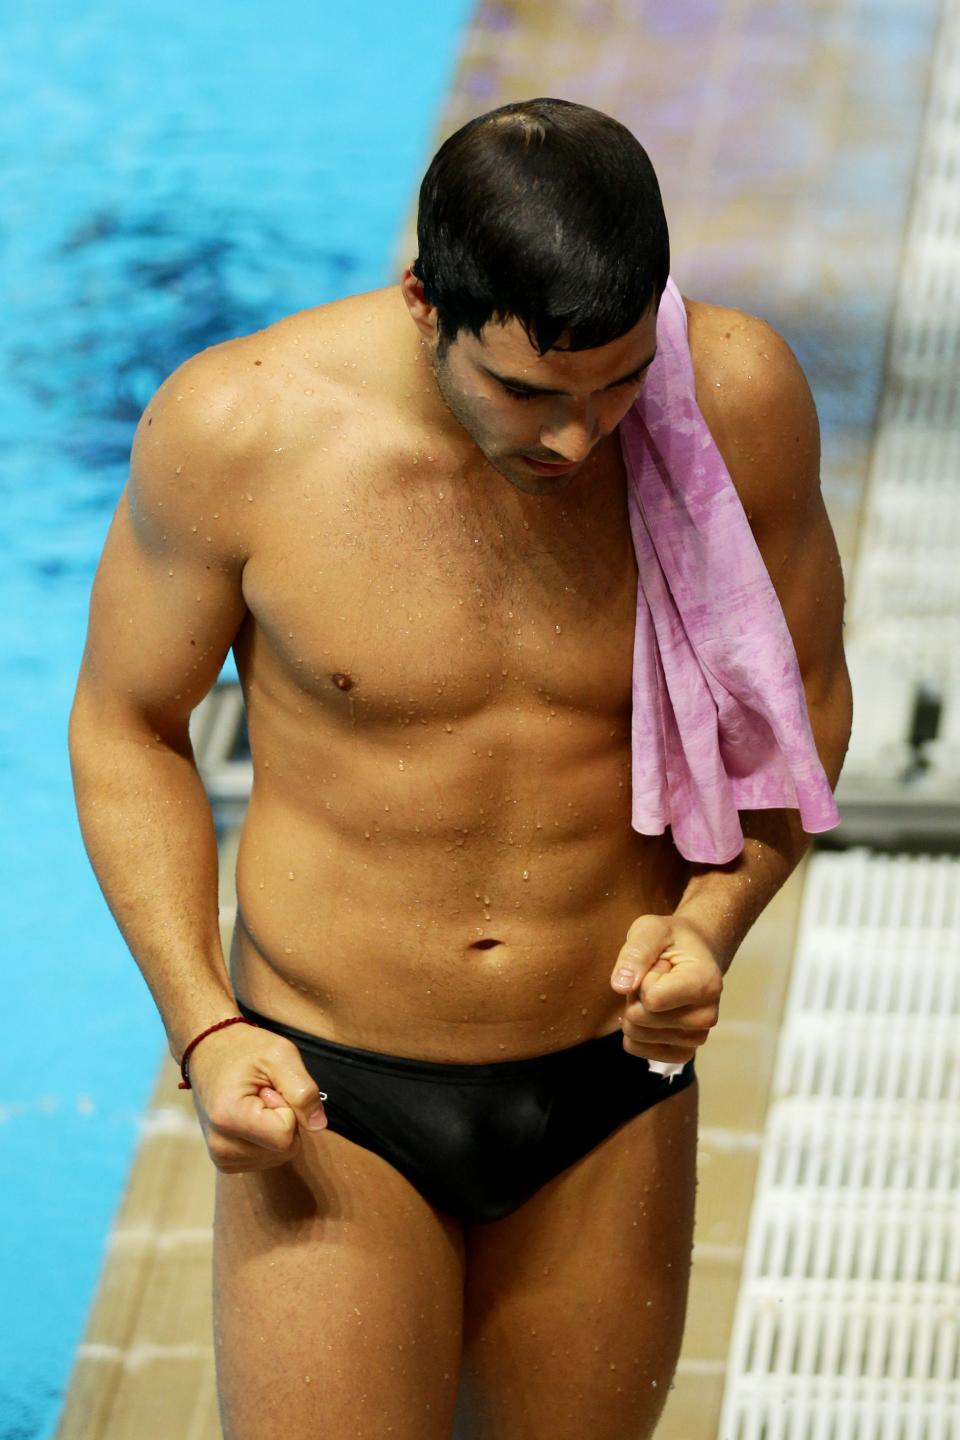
(784, 137)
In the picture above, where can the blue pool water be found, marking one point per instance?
(173, 174)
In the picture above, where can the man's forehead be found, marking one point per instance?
(507, 343)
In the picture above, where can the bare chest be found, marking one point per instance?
(383, 588)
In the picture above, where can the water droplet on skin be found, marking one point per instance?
(526, 875)
(289, 874)
(401, 764)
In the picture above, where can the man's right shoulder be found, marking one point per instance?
(209, 397)
(235, 397)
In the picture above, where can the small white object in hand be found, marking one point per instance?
(666, 1068)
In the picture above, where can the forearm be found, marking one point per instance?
(149, 833)
(725, 900)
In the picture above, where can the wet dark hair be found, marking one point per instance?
(547, 212)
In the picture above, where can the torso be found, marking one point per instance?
(438, 685)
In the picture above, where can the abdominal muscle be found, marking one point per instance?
(486, 930)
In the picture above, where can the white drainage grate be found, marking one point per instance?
(901, 782)
(860, 1147)
(848, 1318)
(904, 605)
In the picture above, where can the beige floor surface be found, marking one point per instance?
(749, 116)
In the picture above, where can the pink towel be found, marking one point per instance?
(720, 719)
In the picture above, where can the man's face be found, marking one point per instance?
(521, 408)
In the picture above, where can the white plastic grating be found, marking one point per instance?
(860, 1147)
(889, 1239)
(847, 1324)
(905, 597)
(835, 1058)
(840, 1409)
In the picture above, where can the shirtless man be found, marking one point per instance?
(434, 633)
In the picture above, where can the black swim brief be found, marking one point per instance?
(478, 1140)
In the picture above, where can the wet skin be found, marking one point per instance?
(435, 644)
(437, 858)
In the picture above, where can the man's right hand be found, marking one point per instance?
(253, 1096)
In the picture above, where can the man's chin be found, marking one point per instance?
(511, 467)
(532, 484)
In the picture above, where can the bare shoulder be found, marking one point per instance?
(189, 451)
(224, 399)
(219, 431)
(755, 398)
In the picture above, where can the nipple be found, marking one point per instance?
(342, 682)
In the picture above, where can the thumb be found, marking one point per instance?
(297, 1089)
(645, 940)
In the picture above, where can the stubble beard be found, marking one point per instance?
(453, 402)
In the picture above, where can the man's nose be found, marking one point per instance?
(573, 433)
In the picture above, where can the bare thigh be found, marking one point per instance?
(575, 1303)
(337, 1300)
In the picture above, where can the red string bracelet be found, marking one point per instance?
(234, 1020)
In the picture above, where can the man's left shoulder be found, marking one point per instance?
(754, 396)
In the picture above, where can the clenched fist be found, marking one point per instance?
(253, 1096)
(674, 981)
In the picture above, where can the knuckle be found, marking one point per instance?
(301, 1091)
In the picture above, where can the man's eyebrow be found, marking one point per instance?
(516, 384)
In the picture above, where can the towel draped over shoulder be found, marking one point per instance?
(720, 720)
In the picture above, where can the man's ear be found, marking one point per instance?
(422, 313)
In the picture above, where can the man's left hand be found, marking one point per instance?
(673, 984)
